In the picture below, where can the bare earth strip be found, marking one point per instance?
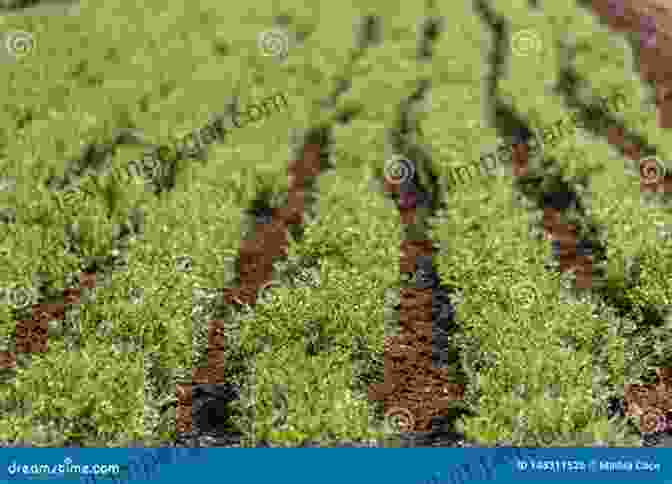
(656, 54)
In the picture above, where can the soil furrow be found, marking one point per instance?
(421, 376)
(578, 245)
(650, 403)
(267, 244)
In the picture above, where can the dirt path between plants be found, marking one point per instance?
(32, 335)
(650, 403)
(256, 256)
(416, 392)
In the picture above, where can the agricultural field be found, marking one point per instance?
(375, 223)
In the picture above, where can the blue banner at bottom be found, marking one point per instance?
(336, 466)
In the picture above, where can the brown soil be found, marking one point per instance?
(652, 402)
(413, 387)
(565, 234)
(616, 137)
(656, 61)
(412, 383)
(554, 229)
(256, 256)
(32, 335)
(414, 391)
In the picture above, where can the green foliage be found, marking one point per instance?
(164, 77)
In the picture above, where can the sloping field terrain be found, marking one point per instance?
(370, 224)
